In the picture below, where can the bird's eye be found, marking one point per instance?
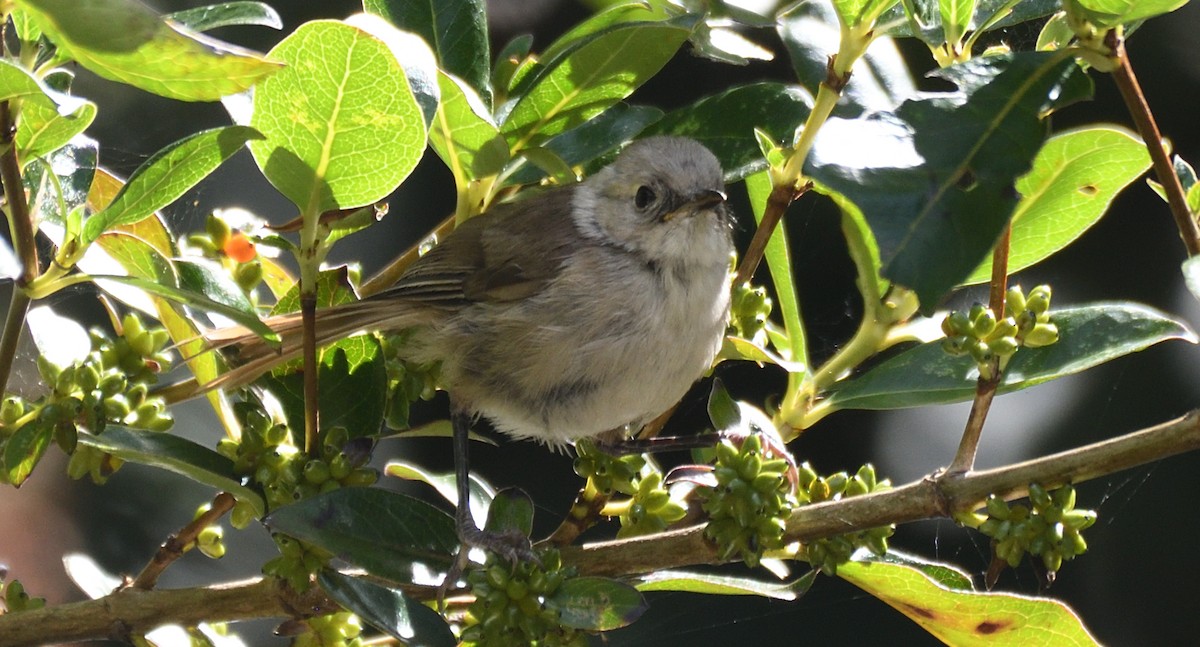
(644, 197)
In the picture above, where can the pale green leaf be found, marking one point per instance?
(464, 135)
(1075, 177)
(342, 127)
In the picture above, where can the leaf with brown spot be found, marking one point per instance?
(930, 594)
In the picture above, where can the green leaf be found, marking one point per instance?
(388, 610)
(138, 257)
(725, 123)
(956, 18)
(511, 510)
(418, 60)
(225, 14)
(966, 617)
(74, 165)
(595, 73)
(206, 277)
(43, 128)
(857, 12)
(1191, 275)
(927, 19)
(174, 454)
(24, 449)
(457, 32)
(946, 575)
(1074, 179)
(353, 375)
(123, 40)
(779, 262)
(464, 135)
(591, 140)
(614, 15)
(342, 127)
(596, 603)
(1088, 336)
(714, 584)
(383, 532)
(810, 32)
(723, 411)
(251, 322)
(1110, 13)
(167, 175)
(446, 484)
(936, 181)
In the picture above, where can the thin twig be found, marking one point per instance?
(1139, 109)
(780, 198)
(175, 545)
(985, 388)
(308, 312)
(23, 239)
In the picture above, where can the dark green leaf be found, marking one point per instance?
(388, 610)
(352, 394)
(206, 277)
(592, 75)
(457, 32)
(725, 123)
(446, 483)
(342, 105)
(383, 532)
(881, 80)
(174, 454)
(1088, 336)
(1074, 179)
(591, 140)
(596, 603)
(24, 449)
(169, 174)
(511, 509)
(936, 180)
(125, 41)
(714, 584)
(227, 13)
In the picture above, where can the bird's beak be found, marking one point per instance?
(704, 200)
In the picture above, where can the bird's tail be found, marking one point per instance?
(253, 356)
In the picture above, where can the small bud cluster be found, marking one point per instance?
(296, 563)
(749, 309)
(648, 509)
(233, 249)
(341, 629)
(829, 553)
(211, 539)
(15, 599)
(991, 342)
(407, 381)
(749, 506)
(509, 607)
(110, 385)
(1052, 529)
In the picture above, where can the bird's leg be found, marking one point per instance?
(511, 545)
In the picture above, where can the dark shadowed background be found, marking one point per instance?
(1136, 584)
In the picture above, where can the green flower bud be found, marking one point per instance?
(218, 230)
(1014, 301)
(1042, 334)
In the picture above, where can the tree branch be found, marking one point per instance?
(132, 610)
(175, 545)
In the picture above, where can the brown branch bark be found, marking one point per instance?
(173, 548)
(131, 610)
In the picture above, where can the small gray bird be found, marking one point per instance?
(576, 312)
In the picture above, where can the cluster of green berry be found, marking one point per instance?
(749, 308)
(829, 553)
(286, 474)
(407, 381)
(991, 342)
(211, 539)
(231, 248)
(509, 607)
(750, 503)
(648, 509)
(1052, 529)
(111, 384)
(296, 563)
(341, 629)
(14, 598)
